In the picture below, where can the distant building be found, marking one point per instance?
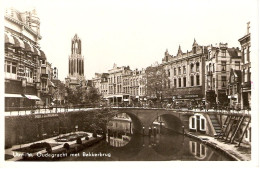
(121, 85)
(245, 42)
(76, 65)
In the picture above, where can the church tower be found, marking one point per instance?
(76, 60)
(76, 63)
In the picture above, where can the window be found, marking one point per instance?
(179, 70)
(194, 50)
(193, 122)
(248, 54)
(43, 70)
(202, 124)
(223, 81)
(8, 67)
(223, 53)
(43, 62)
(237, 65)
(191, 68)
(169, 73)
(11, 67)
(174, 71)
(245, 55)
(175, 83)
(179, 82)
(197, 67)
(198, 79)
(191, 81)
(213, 67)
(223, 66)
(184, 82)
(184, 70)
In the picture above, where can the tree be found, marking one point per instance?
(92, 96)
(156, 81)
(75, 96)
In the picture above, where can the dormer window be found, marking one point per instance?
(194, 50)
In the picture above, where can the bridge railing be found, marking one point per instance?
(16, 111)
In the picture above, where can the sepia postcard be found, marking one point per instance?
(170, 82)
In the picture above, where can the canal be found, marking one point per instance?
(163, 145)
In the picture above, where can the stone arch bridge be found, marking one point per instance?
(142, 119)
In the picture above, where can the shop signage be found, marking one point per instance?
(190, 96)
(37, 116)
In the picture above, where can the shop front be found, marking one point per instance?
(187, 101)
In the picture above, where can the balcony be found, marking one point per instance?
(44, 76)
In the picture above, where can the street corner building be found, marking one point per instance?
(28, 74)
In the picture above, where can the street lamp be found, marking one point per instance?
(76, 128)
(24, 81)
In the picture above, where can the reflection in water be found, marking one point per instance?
(124, 146)
(198, 150)
(119, 130)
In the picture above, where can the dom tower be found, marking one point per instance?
(76, 65)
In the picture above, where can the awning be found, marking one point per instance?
(13, 95)
(18, 43)
(126, 100)
(32, 97)
(9, 39)
(28, 47)
(43, 57)
(36, 51)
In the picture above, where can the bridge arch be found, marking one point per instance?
(145, 118)
(171, 121)
(137, 124)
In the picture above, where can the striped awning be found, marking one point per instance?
(18, 43)
(32, 97)
(28, 47)
(36, 51)
(42, 56)
(9, 39)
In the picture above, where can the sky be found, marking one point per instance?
(134, 32)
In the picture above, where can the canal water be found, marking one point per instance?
(122, 145)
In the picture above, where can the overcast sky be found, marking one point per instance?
(134, 32)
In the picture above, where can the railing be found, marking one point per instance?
(17, 111)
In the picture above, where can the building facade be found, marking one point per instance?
(23, 60)
(186, 73)
(219, 61)
(245, 42)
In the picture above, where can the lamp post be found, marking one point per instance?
(56, 99)
(24, 81)
(76, 128)
(143, 131)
